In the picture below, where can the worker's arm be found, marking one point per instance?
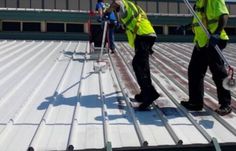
(222, 23)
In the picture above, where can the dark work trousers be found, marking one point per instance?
(143, 46)
(200, 60)
(111, 36)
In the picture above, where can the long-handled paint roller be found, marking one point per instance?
(101, 65)
(229, 82)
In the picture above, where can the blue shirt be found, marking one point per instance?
(101, 5)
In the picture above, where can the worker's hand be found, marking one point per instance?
(214, 39)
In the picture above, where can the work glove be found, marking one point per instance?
(214, 39)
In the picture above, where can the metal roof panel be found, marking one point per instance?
(52, 98)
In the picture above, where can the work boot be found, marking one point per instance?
(192, 106)
(140, 97)
(224, 110)
(148, 99)
(144, 107)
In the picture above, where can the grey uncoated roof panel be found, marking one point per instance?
(52, 99)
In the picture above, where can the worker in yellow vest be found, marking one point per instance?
(141, 36)
(214, 15)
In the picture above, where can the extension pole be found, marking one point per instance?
(103, 40)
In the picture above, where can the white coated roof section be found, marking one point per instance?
(52, 99)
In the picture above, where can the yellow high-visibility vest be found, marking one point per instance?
(136, 22)
(208, 12)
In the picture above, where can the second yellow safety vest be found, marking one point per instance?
(136, 22)
(205, 12)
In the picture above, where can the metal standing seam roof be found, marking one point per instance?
(51, 98)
